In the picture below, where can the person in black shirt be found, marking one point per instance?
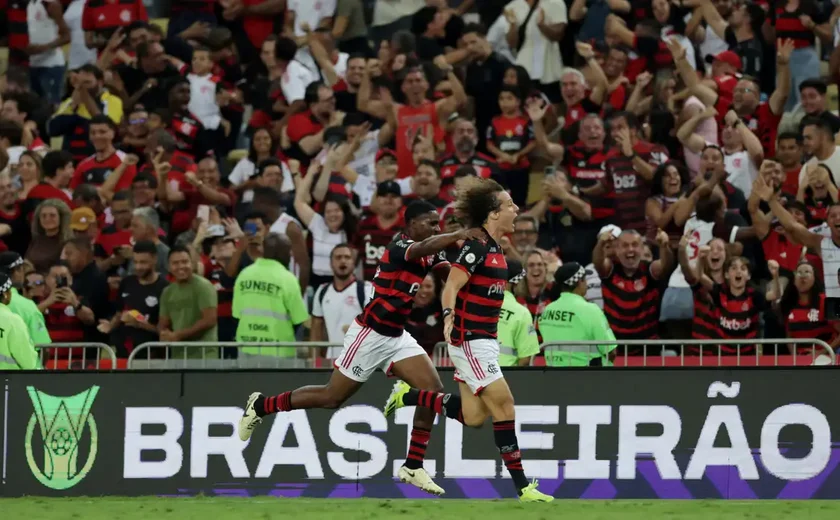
(429, 26)
(89, 284)
(138, 303)
(812, 92)
(484, 76)
(146, 82)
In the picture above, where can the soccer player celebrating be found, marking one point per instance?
(377, 339)
(472, 299)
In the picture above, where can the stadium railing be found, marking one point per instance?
(74, 356)
(680, 353)
(192, 355)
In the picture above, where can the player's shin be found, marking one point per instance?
(446, 404)
(505, 434)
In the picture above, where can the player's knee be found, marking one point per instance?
(504, 409)
(475, 420)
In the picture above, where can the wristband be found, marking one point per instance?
(446, 312)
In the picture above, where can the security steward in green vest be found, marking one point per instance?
(517, 336)
(16, 349)
(571, 318)
(11, 263)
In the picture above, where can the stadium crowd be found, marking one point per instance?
(683, 151)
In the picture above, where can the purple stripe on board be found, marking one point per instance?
(663, 488)
(599, 489)
(232, 492)
(412, 492)
(288, 490)
(802, 489)
(550, 486)
(728, 482)
(348, 490)
(477, 488)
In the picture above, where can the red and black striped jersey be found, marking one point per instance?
(808, 321)
(587, 168)
(479, 301)
(788, 24)
(511, 135)
(42, 192)
(763, 123)
(738, 316)
(485, 167)
(817, 208)
(18, 31)
(372, 240)
(787, 253)
(631, 302)
(631, 189)
(107, 15)
(704, 325)
(186, 128)
(181, 163)
(395, 284)
(63, 324)
(95, 172)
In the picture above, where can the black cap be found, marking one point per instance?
(516, 272)
(568, 275)
(5, 283)
(9, 260)
(388, 188)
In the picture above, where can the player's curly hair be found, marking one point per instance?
(476, 200)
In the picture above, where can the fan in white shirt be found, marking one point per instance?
(203, 89)
(303, 16)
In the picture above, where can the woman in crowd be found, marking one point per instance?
(670, 183)
(29, 173)
(802, 309)
(242, 177)
(335, 225)
(50, 229)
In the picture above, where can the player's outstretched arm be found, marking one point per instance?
(437, 243)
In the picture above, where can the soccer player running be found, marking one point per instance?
(377, 339)
(472, 299)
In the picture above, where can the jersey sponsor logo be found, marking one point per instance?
(624, 182)
(414, 288)
(373, 254)
(733, 324)
(151, 301)
(496, 288)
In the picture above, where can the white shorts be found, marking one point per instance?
(365, 350)
(476, 363)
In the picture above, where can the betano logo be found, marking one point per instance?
(62, 422)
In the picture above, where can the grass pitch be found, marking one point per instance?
(203, 508)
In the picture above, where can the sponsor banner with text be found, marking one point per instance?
(687, 433)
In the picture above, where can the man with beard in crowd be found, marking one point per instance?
(192, 138)
(335, 305)
(630, 285)
(465, 140)
(303, 137)
(112, 248)
(347, 89)
(376, 231)
(146, 81)
(138, 302)
(89, 283)
(220, 249)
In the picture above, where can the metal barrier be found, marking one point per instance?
(190, 355)
(77, 356)
(666, 357)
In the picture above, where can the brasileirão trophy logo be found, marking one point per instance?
(62, 422)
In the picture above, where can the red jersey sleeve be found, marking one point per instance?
(127, 178)
(77, 177)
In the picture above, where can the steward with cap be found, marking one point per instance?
(571, 318)
(11, 264)
(517, 336)
(17, 352)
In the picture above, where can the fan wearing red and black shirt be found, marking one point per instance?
(96, 169)
(510, 137)
(472, 301)
(802, 309)
(65, 314)
(100, 18)
(218, 251)
(378, 340)
(710, 261)
(376, 231)
(630, 285)
(762, 118)
(112, 248)
(202, 188)
(789, 155)
(15, 230)
(465, 139)
(162, 142)
(585, 163)
(190, 134)
(631, 170)
(578, 104)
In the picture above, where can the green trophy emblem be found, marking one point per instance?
(62, 421)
